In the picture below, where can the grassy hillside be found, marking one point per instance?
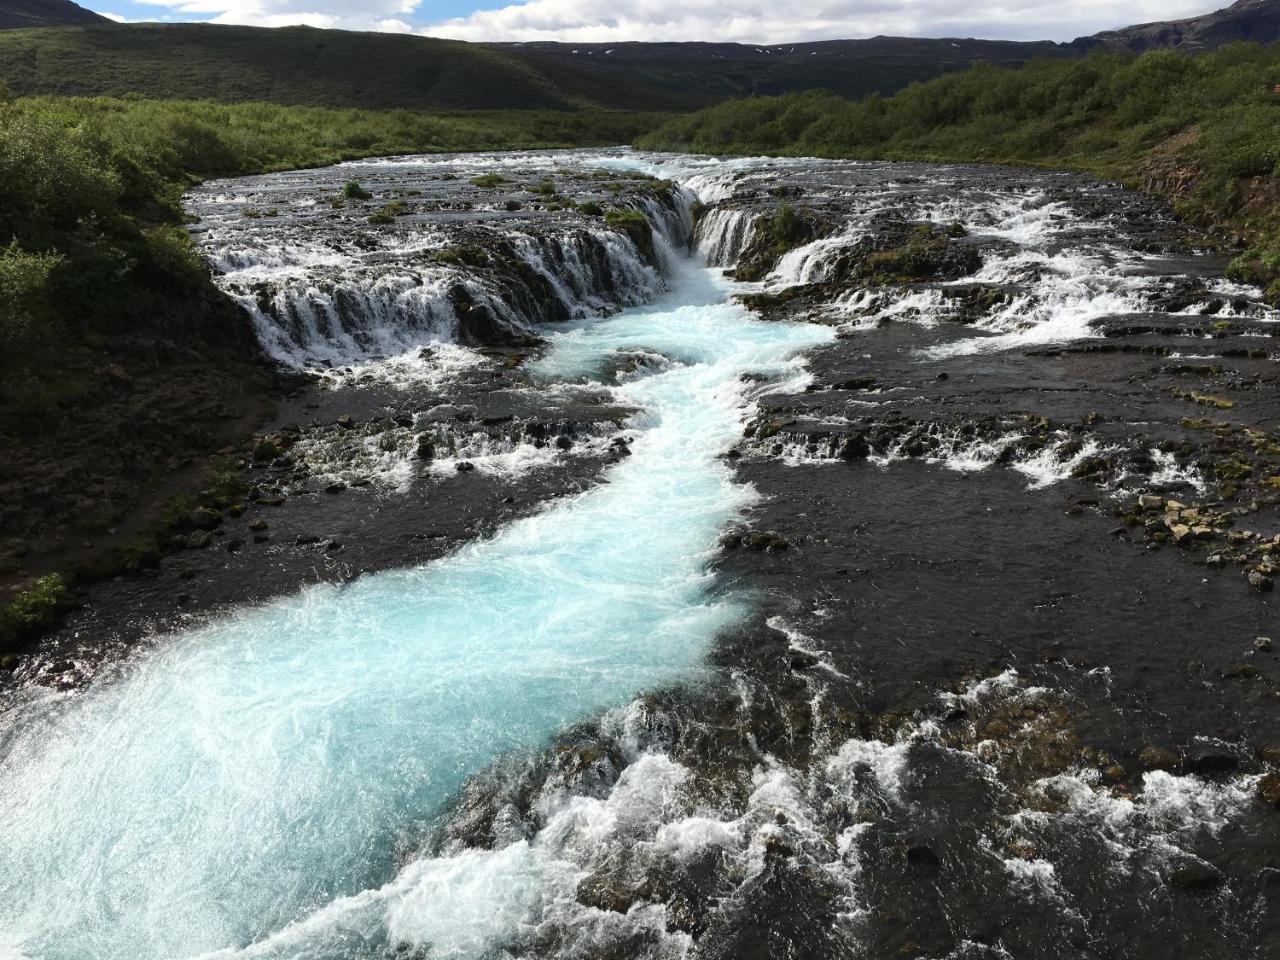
(305, 66)
(293, 65)
(1203, 130)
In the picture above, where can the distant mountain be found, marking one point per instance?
(687, 75)
(15, 14)
(1256, 21)
(301, 65)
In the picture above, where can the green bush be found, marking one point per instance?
(388, 213)
(36, 608)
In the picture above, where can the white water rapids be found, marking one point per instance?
(245, 788)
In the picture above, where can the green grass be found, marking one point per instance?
(1205, 130)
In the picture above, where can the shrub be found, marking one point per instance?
(37, 607)
(388, 213)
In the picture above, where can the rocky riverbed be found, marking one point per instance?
(1002, 682)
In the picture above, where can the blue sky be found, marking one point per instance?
(747, 21)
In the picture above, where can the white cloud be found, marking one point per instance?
(744, 21)
(753, 21)
(382, 15)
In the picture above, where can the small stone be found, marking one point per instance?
(118, 376)
(202, 518)
(1211, 759)
(1195, 875)
(464, 466)
(1269, 790)
(1260, 581)
(922, 860)
(234, 545)
(1150, 502)
(564, 443)
(258, 524)
(8, 663)
(346, 422)
(265, 450)
(199, 539)
(1157, 758)
(1262, 643)
(336, 487)
(426, 449)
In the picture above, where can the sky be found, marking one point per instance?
(745, 21)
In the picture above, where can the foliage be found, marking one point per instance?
(388, 212)
(1200, 127)
(351, 190)
(33, 610)
(636, 226)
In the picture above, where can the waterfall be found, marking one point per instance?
(326, 298)
(723, 233)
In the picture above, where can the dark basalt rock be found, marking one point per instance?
(786, 229)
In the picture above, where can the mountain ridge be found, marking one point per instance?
(304, 66)
(19, 14)
(1256, 21)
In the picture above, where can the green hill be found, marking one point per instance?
(293, 66)
(309, 67)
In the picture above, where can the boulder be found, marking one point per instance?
(1195, 875)
(202, 518)
(1152, 757)
(1269, 790)
(1260, 581)
(1208, 758)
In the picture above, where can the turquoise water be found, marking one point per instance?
(257, 772)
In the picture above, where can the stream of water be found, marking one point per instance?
(254, 783)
